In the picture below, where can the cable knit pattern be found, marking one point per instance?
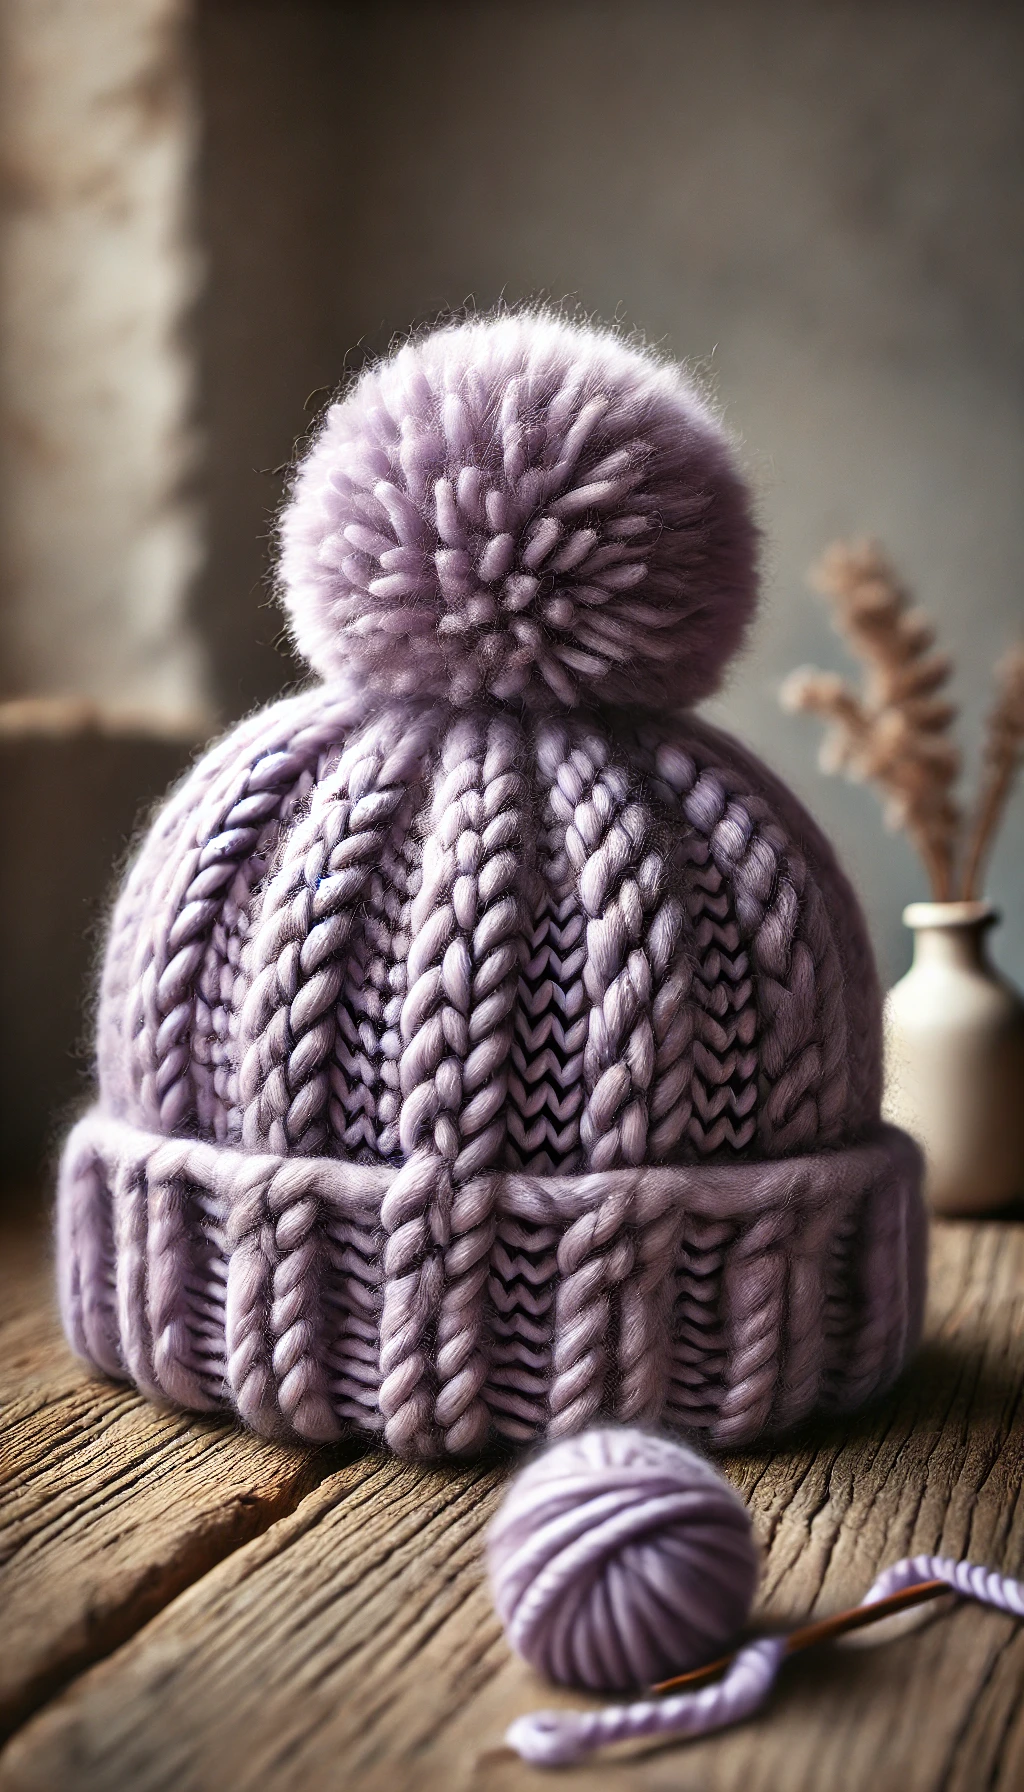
(223, 821)
(468, 954)
(478, 1055)
(854, 1021)
(632, 930)
(363, 1103)
(468, 950)
(294, 964)
(801, 1060)
(545, 1088)
(461, 973)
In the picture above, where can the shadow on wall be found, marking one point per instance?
(71, 806)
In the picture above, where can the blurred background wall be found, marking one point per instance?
(816, 203)
(100, 533)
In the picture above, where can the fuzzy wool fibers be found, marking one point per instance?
(519, 509)
(618, 1558)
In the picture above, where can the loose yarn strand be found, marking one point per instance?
(559, 1738)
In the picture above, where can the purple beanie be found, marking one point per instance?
(487, 1045)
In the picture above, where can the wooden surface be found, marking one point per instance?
(185, 1609)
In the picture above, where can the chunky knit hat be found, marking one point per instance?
(485, 1043)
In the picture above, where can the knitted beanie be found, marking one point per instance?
(486, 1044)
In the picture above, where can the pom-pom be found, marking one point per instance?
(618, 1559)
(523, 509)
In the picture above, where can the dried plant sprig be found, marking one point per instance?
(1003, 752)
(896, 731)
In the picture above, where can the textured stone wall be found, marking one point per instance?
(100, 535)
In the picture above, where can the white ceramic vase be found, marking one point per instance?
(954, 1060)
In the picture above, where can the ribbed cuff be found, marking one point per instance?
(315, 1296)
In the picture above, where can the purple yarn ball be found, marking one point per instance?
(524, 509)
(618, 1559)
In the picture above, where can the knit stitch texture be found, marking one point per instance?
(480, 1062)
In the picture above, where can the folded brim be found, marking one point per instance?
(315, 1296)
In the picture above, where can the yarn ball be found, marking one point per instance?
(525, 509)
(618, 1559)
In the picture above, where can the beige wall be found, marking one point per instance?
(818, 201)
(99, 527)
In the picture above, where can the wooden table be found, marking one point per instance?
(186, 1609)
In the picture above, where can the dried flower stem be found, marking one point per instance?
(1004, 749)
(896, 731)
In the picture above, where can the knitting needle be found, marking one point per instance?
(823, 1630)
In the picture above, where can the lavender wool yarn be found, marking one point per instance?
(486, 1045)
(618, 1558)
(558, 1738)
(538, 512)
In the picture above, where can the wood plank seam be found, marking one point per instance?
(252, 1519)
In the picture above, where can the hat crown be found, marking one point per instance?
(546, 943)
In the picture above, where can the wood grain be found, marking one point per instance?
(108, 1507)
(352, 1644)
